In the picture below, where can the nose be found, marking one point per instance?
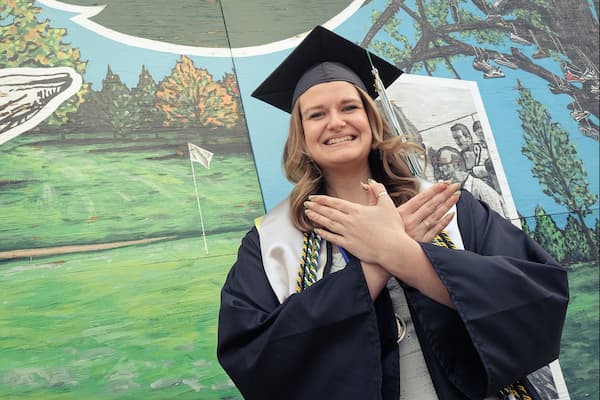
(336, 121)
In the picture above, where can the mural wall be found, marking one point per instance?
(133, 161)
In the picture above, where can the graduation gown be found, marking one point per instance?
(333, 342)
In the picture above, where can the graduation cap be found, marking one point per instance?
(323, 56)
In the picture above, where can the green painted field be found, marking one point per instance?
(54, 193)
(129, 323)
(580, 349)
(132, 322)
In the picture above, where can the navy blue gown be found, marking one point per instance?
(333, 342)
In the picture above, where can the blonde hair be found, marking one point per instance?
(387, 161)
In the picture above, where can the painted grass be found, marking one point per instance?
(78, 194)
(580, 350)
(130, 323)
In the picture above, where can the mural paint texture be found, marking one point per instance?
(133, 160)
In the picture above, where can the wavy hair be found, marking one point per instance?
(387, 161)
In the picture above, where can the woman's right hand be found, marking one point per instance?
(426, 214)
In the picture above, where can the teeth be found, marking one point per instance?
(339, 140)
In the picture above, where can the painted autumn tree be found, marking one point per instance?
(189, 97)
(446, 30)
(230, 83)
(555, 164)
(27, 42)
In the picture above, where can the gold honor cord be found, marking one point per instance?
(309, 263)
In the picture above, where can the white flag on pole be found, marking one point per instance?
(200, 155)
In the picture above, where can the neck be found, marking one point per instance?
(347, 185)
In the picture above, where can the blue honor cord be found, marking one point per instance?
(344, 254)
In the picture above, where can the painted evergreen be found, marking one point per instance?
(555, 164)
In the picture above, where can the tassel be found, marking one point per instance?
(415, 166)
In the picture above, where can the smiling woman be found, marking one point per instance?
(328, 283)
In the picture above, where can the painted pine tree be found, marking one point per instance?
(549, 235)
(555, 164)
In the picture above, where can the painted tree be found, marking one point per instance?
(548, 235)
(525, 226)
(27, 42)
(189, 97)
(443, 31)
(146, 114)
(116, 103)
(91, 116)
(577, 247)
(230, 83)
(555, 164)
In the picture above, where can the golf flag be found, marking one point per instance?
(200, 155)
(203, 157)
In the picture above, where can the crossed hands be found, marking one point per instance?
(375, 233)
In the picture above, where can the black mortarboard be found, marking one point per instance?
(323, 56)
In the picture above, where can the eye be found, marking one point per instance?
(315, 115)
(350, 107)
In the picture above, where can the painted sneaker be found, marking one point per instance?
(588, 75)
(571, 77)
(494, 73)
(560, 89)
(481, 65)
(589, 131)
(578, 115)
(502, 60)
(519, 39)
(540, 53)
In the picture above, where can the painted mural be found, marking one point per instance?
(133, 160)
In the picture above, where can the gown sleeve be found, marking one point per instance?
(510, 297)
(324, 340)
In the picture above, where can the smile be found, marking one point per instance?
(339, 140)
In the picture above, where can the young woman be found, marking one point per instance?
(368, 283)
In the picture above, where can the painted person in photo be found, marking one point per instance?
(470, 151)
(368, 282)
(452, 165)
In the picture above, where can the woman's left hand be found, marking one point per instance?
(427, 214)
(370, 232)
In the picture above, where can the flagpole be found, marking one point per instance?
(199, 208)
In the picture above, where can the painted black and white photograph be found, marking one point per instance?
(448, 118)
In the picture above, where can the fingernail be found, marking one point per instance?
(311, 197)
(456, 186)
(371, 180)
(305, 204)
(307, 211)
(364, 186)
(457, 193)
